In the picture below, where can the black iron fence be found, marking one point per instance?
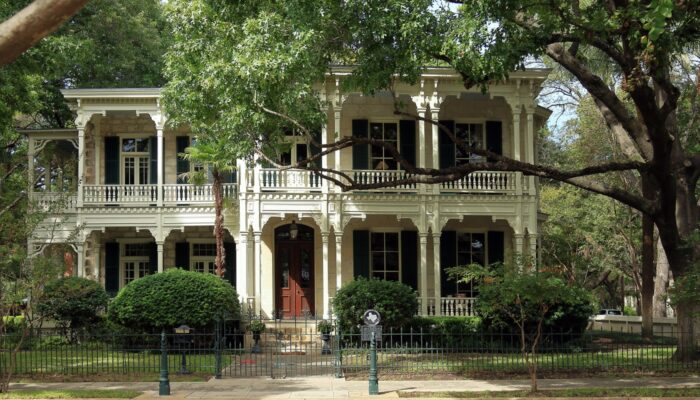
(293, 350)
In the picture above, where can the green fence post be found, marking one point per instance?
(373, 380)
(338, 355)
(217, 344)
(164, 388)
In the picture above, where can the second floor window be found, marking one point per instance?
(380, 157)
(472, 135)
(136, 161)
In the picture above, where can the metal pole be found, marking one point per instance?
(373, 381)
(217, 343)
(164, 387)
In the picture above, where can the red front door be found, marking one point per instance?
(294, 275)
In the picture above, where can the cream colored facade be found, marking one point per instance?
(168, 217)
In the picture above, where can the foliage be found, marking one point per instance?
(447, 326)
(256, 326)
(325, 327)
(172, 298)
(629, 311)
(73, 302)
(397, 303)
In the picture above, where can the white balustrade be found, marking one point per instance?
(55, 201)
(148, 194)
(369, 177)
(195, 194)
(288, 180)
(452, 306)
(483, 182)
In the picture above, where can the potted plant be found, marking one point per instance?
(257, 327)
(325, 328)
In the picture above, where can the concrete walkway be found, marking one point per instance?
(333, 388)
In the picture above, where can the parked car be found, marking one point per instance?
(609, 311)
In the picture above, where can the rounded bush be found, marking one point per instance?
(172, 298)
(73, 302)
(396, 302)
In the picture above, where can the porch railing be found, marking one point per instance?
(451, 306)
(119, 194)
(370, 177)
(55, 201)
(195, 194)
(483, 182)
(286, 180)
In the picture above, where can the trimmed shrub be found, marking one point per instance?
(73, 302)
(396, 302)
(446, 325)
(174, 297)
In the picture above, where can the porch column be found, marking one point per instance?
(159, 248)
(258, 271)
(532, 241)
(435, 115)
(530, 156)
(30, 167)
(250, 265)
(326, 277)
(337, 107)
(436, 272)
(81, 164)
(423, 237)
(159, 196)
(516, 147)
(324, 158)
(242, 270)
(518, 244)
(98, 257)
(80, 250)
(338, 261)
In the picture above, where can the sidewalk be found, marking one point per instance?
(333, 388)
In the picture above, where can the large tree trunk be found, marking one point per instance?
(647, 286)
(218, 224)
(660, 282)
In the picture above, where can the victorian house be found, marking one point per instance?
(292, 239)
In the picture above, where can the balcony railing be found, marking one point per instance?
(369, 177)
(148, 194)
(55, 201)
(483, 182)
(289, 180)
(452, 306)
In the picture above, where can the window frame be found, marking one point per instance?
(123, 259)
(371, 159)
(473, 158)
(294, 140)
(210, 266)
(471, 292)
(138, 155)
(384, 231)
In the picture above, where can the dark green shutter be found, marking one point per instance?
(360, 152)
(448, 259)
(407, 128)
(228, 177)
(112, 268)
(111, 160)
(182, 255)
(494, 137)
(183, 166)
(446, 145)
(409, 258)
(153, 144)
(230, 251)
(496, 244)
(152, 258)
(360, 253)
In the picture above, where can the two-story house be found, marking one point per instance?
(292, 238)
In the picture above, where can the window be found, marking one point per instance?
(298, 150)
(472, 135)
(203, 256)
(384, 253)
(135, 261)
(380, 157)
(135, 161)
(471, 249)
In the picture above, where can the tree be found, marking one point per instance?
(250, 67)
(38, 19)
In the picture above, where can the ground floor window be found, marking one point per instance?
(471, 249)
(203, 257)
(135, 261)
(385, 255)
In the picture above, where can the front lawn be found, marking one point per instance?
(70, 394)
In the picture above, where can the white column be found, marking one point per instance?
(159, 248)
(81, 163)
(258, 271)
(159, 138)
(242, 263)
(326, 277)
(423, 287)
(518, 244)
(530, 156)
(435, 114)
(336, 128)
(250, 268)
(516, 147)
(97, 136)
(97, 256)
(30, 166)
(324, 159)
(80, 249)
(338, 260)
(436, 272)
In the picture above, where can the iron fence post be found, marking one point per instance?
(217, 344)
(373, 380)
(164, 387)
(338, 355)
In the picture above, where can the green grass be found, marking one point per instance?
(576, 392)
(71, 394)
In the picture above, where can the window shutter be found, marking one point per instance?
(153, 146)
(183, 166)
(228, 176)
(360, 152)
(230, 251)
(409, 258)
(448, 259)
(407, 129)
(360, 253)
(111, 144)
(112, 268)
(446, 145)
(152, 258)
(496, 244)
(182, 255)
(494, 137)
